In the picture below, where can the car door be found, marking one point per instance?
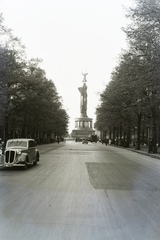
(31, 151)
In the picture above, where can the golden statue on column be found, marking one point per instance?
(83, 101)
(83, 124)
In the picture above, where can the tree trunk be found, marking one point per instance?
(154, 131)
(6, 129)
(128, 137)
(117, 136)
(139, 119)
(23, 132)
(120, 131)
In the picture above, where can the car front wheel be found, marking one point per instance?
(25, 164)
(37, 159)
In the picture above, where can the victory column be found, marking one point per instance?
(83, 124)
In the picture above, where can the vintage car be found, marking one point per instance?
(20, 152)
(0, 153)
(84, 141)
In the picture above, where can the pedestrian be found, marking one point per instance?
(150, 150)
(0, 143)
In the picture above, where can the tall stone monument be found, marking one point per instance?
(83, 124)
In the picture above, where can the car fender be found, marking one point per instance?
(37, 153)
(24, 156)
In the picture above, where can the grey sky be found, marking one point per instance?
(71, 37)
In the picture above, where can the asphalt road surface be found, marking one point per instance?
(82, 192)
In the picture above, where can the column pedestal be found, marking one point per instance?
(83, 128)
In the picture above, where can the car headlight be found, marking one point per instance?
(18, 152)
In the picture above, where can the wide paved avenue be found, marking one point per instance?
(82, 192)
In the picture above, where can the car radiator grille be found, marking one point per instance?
(10, 156)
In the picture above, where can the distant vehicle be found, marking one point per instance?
(94, 138)
(0, 153)
(78, 139)
(20, 152)
(84, 141)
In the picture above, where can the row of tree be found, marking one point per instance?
(130, 105)
(29, 103)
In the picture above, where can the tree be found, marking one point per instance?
(134, 89)
(29, 103)
(143, 35)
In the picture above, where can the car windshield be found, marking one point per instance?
(18, 143)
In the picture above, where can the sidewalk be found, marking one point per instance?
(144, 151)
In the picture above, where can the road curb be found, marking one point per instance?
(144, 153)
(152, 155)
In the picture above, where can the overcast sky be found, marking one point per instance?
(72, 37)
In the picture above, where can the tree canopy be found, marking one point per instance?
(132, 96)
(30, 105)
